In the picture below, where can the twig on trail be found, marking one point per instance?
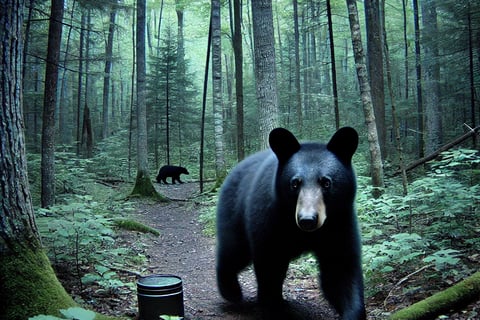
(408, 276)
(131, 272)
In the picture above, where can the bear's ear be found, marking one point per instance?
(283, 143)
(344, 144)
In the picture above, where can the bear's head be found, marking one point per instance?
(184, 170)
(315, 180)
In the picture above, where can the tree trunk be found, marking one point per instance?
(143, 184)
(49, 104)
(375, 68)
(204, 105)
(265, 70)
(107, 71)
(431, 77)
(28, 285)
(418, 69)
(238, 52)
(471, 72)
(217, 91)
(374, 147)
(452, 298)
(298, 93)
(80, 82)
(334, 67)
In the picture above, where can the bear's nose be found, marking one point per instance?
(309, 223)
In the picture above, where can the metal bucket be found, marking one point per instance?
(159, 294)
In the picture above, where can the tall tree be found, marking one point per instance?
(49, 103)
(375, 67)
(238, 52)
(217, 91)
(334, 65)
(298, 93)
(376, 163)
(265, 71)
(28, 285)
(418, 72)
(143, 184)
(431, 78)
(108, 68)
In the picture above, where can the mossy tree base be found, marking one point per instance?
(29, 286)
(452, 298)
(144, 188)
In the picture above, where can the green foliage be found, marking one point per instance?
(437, 223)
(74, 313)
(106, 279)
(208, 214)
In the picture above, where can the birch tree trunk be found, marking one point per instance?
(28, 285)
(265, 70)
(217, 91)
(376, 164)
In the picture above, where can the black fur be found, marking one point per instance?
(256, 220)
(171, 171)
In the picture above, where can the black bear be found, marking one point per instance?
(171, 171)
(279, 203)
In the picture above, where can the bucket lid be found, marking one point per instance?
(159, 280)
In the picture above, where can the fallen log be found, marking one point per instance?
(471, 132)
(453, 298)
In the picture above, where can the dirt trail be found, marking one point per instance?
(182, 249)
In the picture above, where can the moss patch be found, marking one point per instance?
(452, 298)
(144, 188)
(133, 225)
(30, 286)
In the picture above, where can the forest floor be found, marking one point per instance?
(183, 249)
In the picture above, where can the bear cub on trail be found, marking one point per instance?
(279, 203)
(171, 171)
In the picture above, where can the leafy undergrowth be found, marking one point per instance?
(417, 244)
(413, 245)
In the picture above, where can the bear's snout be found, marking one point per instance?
(310, 212)
(308, 223)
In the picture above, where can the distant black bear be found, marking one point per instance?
(171, 171)
(295, 198)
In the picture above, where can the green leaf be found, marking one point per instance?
(77, 313)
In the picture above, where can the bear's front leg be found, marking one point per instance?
(270, 273)
(342, 284)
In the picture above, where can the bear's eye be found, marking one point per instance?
(325, 182)
(296, 182)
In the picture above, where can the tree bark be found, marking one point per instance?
(238, 52)
(143, 184)
(452, 298)
(374, 28)
(49, 104)
(431, 77)
(217, 91)
(374, 147)
(334, 67)
(298, 93)
(107, 71)
(28, 285)
(265, 70)
(418, 70)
